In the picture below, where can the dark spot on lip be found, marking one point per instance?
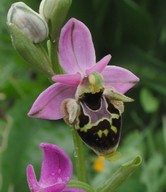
(117, 123)
(111, 107)
(102, 125)
(93, 101)
(83, 119)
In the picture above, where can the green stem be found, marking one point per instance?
(79, 157)
(53, 53)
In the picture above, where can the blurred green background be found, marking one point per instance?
(134, 32)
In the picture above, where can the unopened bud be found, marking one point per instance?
(28, 21)
(54, 12)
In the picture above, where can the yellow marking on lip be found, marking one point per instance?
(114, 129)
(105, 132)
(100, 133)
(84, 129)
(114, 116)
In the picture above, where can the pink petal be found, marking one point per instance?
(71, 79)
(119, 78)
(48, 103)
(31, 177)
(100, 65)
(56, 170)
(34, 186)
(56, 166)
(53, 188)
(76, 50)
(73, 190)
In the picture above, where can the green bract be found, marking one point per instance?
(34, 54)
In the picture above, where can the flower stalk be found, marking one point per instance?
(53, 54)
(79, 156)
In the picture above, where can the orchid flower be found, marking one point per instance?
(78, 60)
(56, 171)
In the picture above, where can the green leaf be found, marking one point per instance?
(120, 176)
(32, 53)
(149, 103)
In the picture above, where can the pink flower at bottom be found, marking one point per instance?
(56, 171)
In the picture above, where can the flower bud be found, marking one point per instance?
(28, 21)
(54, 12)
